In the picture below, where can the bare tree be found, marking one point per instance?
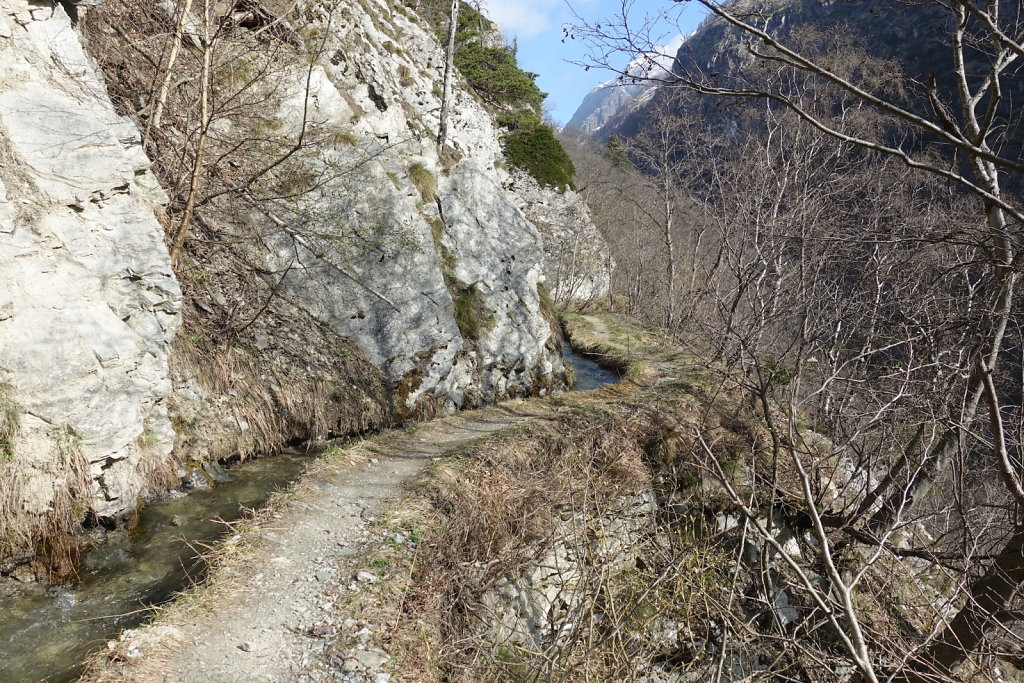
(900, 407)
(449, 69)
(654, 152)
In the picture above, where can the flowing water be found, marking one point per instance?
(46, 632)
(589, 375)
(45, 635)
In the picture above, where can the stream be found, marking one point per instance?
(589, 375)
(46, 632)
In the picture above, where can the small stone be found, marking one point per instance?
(373, 659)
(374, 460)
(23, 574)
(366, 577)
(350, 666)
(246, 647)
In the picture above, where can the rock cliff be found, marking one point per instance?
(577, 262)
(88, 302)
(338, 273)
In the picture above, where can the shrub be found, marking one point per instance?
(494, 76)
(493, 73)
(534, 148)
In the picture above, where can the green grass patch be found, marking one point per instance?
(547, 304)
(471, 312)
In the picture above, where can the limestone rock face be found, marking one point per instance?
(577, 263)
(440, 289)
(88, 302)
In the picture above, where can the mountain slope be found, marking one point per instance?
(882, 29)
(336, 272)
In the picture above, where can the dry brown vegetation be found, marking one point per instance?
(485, 516)
(43, 500)
(854, 267)
(643, 487)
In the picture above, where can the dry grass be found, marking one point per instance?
(424, 180)
(493, 508)
(42, 503)
(268, 401)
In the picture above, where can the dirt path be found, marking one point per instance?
(598, 327)
(278, 613)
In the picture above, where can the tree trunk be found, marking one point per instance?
(204, 128)
(172, 58)
(449, 66)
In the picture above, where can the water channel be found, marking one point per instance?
(45, 632)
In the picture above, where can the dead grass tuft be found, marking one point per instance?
(495, 509)
(43, 501)
(269, 401)
(497, 506)
(424, 180)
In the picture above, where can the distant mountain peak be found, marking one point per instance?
(605, 102)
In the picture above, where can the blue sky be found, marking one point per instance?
(537, 26)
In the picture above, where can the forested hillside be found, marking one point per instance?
(823, 198)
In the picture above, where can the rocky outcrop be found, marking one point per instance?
(88, 302)
(427, 264)
(539, 606)
(360, 278)
(577, 262)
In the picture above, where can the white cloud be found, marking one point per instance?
(523, 18)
